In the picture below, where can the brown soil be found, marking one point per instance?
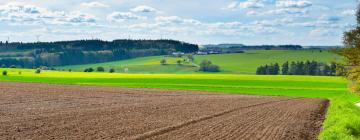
(41, 111)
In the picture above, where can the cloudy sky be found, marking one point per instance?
(305, 22)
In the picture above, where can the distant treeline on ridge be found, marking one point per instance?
(299, 68)
(61, 53)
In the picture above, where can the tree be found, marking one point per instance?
(207, 66)
(327, 70)
(163, 61)
(38, 71)
(276, 69)
(178, 62)
(89, 70)
(293, 68)
(4, 73)
(351, 53)
(285, 68)
(307, 68)
(190, 58)
(333, 68)
(112, 70)
(100, 69)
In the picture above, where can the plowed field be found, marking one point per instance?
(41, 111)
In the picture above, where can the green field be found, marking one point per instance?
(244, 63)
(342, 120)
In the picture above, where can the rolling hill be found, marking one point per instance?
(241, 63)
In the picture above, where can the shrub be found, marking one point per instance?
(89, 70)
(112, 70)
(100, 69)
(4, 73)
(38, 71)
(19, 72)
(163, 61)
(207, 66)
(3, 66)
(12, 66)
(178, 62)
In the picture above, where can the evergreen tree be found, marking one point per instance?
(293, 68)
(285, 68)
(276, 69)
(333, 68)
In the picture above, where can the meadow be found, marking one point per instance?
(229, 63)
(342, 120)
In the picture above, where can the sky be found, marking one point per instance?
(250, 22)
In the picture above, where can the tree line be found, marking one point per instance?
(30, 55)
(299, 68)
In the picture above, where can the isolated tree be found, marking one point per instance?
(4, 73)
(3, 66)
(178, 62)
(207, 66)
(285, 68)
(38, 71)
(190, 58)
(163, 61)
(100, 69)
(112, 70)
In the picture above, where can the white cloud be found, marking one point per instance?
(94, 4)
(349, 13)
(123, 16)
(144, 9)
(22, 13)
(246, 4)
(176, 20)
(293, 3)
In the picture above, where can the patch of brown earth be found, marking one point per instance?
(41, 111)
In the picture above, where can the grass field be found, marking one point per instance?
(244, 63)
(343, 117)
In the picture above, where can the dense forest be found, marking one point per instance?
(254, 47)
(61, 53)
(299, 68)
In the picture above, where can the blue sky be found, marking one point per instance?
(304, 22)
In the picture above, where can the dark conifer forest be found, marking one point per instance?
(30, 55)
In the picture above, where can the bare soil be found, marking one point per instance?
(42, 111)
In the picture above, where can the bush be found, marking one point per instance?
(3, 66)
(19, 72)
(207, 66)
(100, 69)
(89, 70)
(4, 73)
(178, 62)
(12, 66)
(163, 61)
(38, 71)
(112, 70)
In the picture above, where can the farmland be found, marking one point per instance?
(72, 112)
(342, 120)
(229, 63)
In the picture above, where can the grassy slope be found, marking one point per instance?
(248, 62)
(343, 118)
(245, 63)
